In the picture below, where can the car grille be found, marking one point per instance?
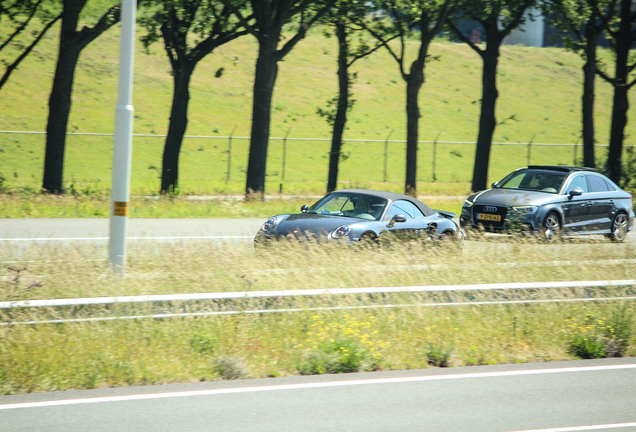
(490, 210)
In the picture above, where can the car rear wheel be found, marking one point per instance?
(619, 228)
(551, 227)
(447, 238)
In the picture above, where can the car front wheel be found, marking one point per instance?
(551, 227)
(368, 241)
(619, 228)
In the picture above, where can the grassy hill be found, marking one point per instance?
(540, 87)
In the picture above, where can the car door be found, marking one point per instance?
(576, 208)
(602, 203)
(413, 228)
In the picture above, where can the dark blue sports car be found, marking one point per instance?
(552, 200)
(358, 215)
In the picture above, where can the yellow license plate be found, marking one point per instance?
(489, 217)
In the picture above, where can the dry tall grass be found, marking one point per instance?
(130, 352)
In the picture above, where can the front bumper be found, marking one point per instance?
(269, 239)
(511, 221)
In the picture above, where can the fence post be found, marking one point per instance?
(435, 152)
(574, 160)
(386, 153)
(284, 154)
(530, 149)
(229, 155)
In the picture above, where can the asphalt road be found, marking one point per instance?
(233, 231)
(138, 229)
(577, 395)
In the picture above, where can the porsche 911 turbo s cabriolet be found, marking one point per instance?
(552, 200)
(359, 215)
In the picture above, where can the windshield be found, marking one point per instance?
(350, 205)
(544, 181)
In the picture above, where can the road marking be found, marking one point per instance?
(582, 428)
(312, 386)
(129, 238)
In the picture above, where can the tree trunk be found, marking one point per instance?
(72, 42)
(414, 82)
(587, 102)
(264, 80)
(487, 120)
(176, 130)
(341, 110)
(617, 132)
(621, 102)
(60, 100)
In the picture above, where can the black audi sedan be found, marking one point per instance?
(552, 200)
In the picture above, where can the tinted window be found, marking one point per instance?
(350, 205)
(577, 182)
(597, 184)
(406, 209)
(545, 181)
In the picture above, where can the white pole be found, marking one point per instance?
(122, 149)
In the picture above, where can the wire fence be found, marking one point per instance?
(293, 159)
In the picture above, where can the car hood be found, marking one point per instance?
(313, 223)
(510, 197)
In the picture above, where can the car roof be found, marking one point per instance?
(561, 168)
(393, 196)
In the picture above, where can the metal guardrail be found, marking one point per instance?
(188, 303)
(311, 292)
(314, 309)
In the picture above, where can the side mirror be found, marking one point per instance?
(397, 219)
(494, 184)
(304, 208)
(575, 192)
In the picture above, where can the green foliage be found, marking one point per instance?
(619, 331)
(204, 343)
(230, 367)
(339, 356)
(596, 337)
(586, 347)
(628, 172)
(439, 355)
(340, 347)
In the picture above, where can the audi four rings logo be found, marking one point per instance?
(490, 209)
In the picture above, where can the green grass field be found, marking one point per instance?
(540, 86)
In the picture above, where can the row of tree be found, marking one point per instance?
(192, 29)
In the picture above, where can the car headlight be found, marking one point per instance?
(341, 231)
(269, 224)
(526, 209)
(468, 204)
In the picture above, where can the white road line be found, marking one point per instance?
(129, 238)
(312, 386)
(583, 428)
